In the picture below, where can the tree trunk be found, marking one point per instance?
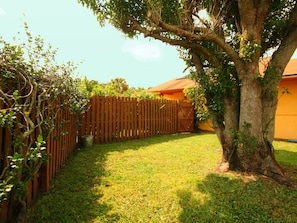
(245, 145)
(225, 131)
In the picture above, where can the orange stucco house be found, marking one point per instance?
(286, 113)
(173, 89)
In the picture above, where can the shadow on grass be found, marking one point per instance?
(75, 194)
(74, 191)
(220, 198)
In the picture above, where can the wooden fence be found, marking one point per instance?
(108, 119)
(118, 119)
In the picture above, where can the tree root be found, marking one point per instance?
(269, 168)
(272, 169)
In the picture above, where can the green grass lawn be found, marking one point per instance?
(164, 179)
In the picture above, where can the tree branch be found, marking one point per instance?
(203, 35)
(187, 44)
(282, 56)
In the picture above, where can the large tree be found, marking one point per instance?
(226, 45)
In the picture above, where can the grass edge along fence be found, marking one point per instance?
(108, 119)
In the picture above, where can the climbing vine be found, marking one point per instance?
(212, 87)
(33, 89)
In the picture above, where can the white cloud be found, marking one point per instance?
(2, 12)
(142, 51)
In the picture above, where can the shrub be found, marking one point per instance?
(33, 89)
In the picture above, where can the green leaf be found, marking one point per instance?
(39, 138)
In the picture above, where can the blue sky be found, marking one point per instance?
(104, 52)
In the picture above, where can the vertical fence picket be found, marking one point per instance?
(148, 110)
(98, 136)
(62, 141)
(102, 124)
(171, 118)
(29, 192)
(1, 146)
(45, 177)
(140, 118)
(157, 117)
(161, 108)
(114, 119)
(168, 116)
(120, 118)
(134, 117)
(87, 120)
(105, 119)
(109, 120)
(129, 118)
(67, 136)
(132, 131)
(126, 118)
(126, 126)
(35, 186)
(4, 211)
(83, 124)
(51, 154)
(54, 152)
(93, 122)
(11, 207)
(143, 113)
(153, 118)
(131, 110)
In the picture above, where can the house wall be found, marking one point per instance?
(205, 126)
(286, 113)
(174, 95)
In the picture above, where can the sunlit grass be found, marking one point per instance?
(168, 178)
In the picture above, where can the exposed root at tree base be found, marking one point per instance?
(223, 167)
(274, 173)
(272, 169)
(280, 178)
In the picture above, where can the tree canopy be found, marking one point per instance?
(117, 87)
